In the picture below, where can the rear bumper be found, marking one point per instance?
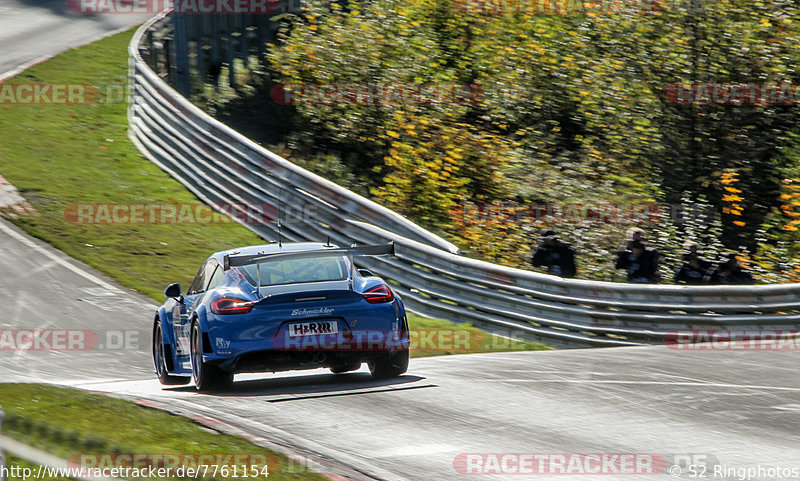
(275, 360)
(259, 344)
(282, 352)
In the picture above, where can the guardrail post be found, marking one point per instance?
(215, 64)
(150, 52)
(181, 45)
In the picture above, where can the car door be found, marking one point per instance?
(182, 315)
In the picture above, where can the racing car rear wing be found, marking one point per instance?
(373, 250)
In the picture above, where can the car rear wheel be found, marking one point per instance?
(392, 366)
(160, 361)
(205, 376)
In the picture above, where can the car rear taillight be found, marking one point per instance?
(379, 294)
(231, 305)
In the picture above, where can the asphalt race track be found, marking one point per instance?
(42, 288)
(737, 409)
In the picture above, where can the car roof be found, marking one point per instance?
(272, 248)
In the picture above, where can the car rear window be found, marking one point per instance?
(295, 271)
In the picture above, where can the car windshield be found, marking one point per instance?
(294, 271)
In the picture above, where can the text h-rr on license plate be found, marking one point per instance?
(298, 329)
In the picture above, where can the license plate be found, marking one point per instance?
(299, 329)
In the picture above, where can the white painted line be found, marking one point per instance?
(91, 383)
(664, 383)
(20, 354)
(33, 245)
(417, 450)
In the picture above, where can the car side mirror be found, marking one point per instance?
(173, 290)
(366, 273)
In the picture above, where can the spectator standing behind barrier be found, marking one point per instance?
(694, 269)
(729, 271)
(558, 256)
(640, 261)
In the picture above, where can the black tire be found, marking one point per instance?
(392, 366)
(205, 376)
(342, 368)
(160, 361)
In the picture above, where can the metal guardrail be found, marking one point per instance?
(223, 167)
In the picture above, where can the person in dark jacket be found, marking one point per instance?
(640, 261)
(729, 271)
(694, 269)
(558, 256)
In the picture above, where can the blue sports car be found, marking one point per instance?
(280, 307)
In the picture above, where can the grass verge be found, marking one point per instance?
(69, 423)
(436, 337)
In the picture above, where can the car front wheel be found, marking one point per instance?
(159, 359)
